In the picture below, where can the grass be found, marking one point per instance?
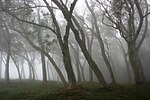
(35, 90)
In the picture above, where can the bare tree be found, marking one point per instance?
(101, 42)
(130, 18)
(67, 12)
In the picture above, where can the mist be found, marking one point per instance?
(72, 43)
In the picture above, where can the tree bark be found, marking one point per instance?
(43, 68)
(136, 64)
(67, 60)
(64, 44)
(91, 62)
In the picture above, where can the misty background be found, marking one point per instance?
(105, 41)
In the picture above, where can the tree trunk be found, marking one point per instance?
(42, 57)
(136, 64)
(68, 65)
(43, 68)
(91, 62)
(64, 45)
(57, 69)
(128, 68)
(30, 73)
(66, 56)
(77, 64)
(89, 59)
(31, 69)
(125, 55)
(82, 69)
(89, 46)
(22, 71)
(48, 70)
(76, 60)
(1, 59)
(17, 66)
(34, 74)
(90, 74)
(101, 42)
(7, 66)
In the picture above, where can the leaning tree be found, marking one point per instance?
(129, 17)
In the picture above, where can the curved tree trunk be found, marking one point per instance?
(64, 45)
(81, 43)
(109, 67)
(67, 60)
(136, 64)
(57, 69)
(91, 62)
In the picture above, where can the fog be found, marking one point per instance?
(73, 41)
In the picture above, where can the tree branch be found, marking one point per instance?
(32, 23)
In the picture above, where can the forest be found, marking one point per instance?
(74, 49)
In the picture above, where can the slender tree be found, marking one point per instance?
(81, 41)
(101, 42)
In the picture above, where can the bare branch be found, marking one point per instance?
(146, 28)
(29, 22)
(73, 6)
(146, 14)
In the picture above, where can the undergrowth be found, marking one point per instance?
(35, 90)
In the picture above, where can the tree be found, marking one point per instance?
(76, 59)
(25, 35)
(1, 59)
(24, 15)
(8, 39)
(64, 47)
(17, 66)
(130, 18)
(72, 26)
(101, 43)
(67, 12)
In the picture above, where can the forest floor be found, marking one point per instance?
(35, 90)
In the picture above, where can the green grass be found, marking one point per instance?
(35, 90)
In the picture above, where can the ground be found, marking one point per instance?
(35, 90)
